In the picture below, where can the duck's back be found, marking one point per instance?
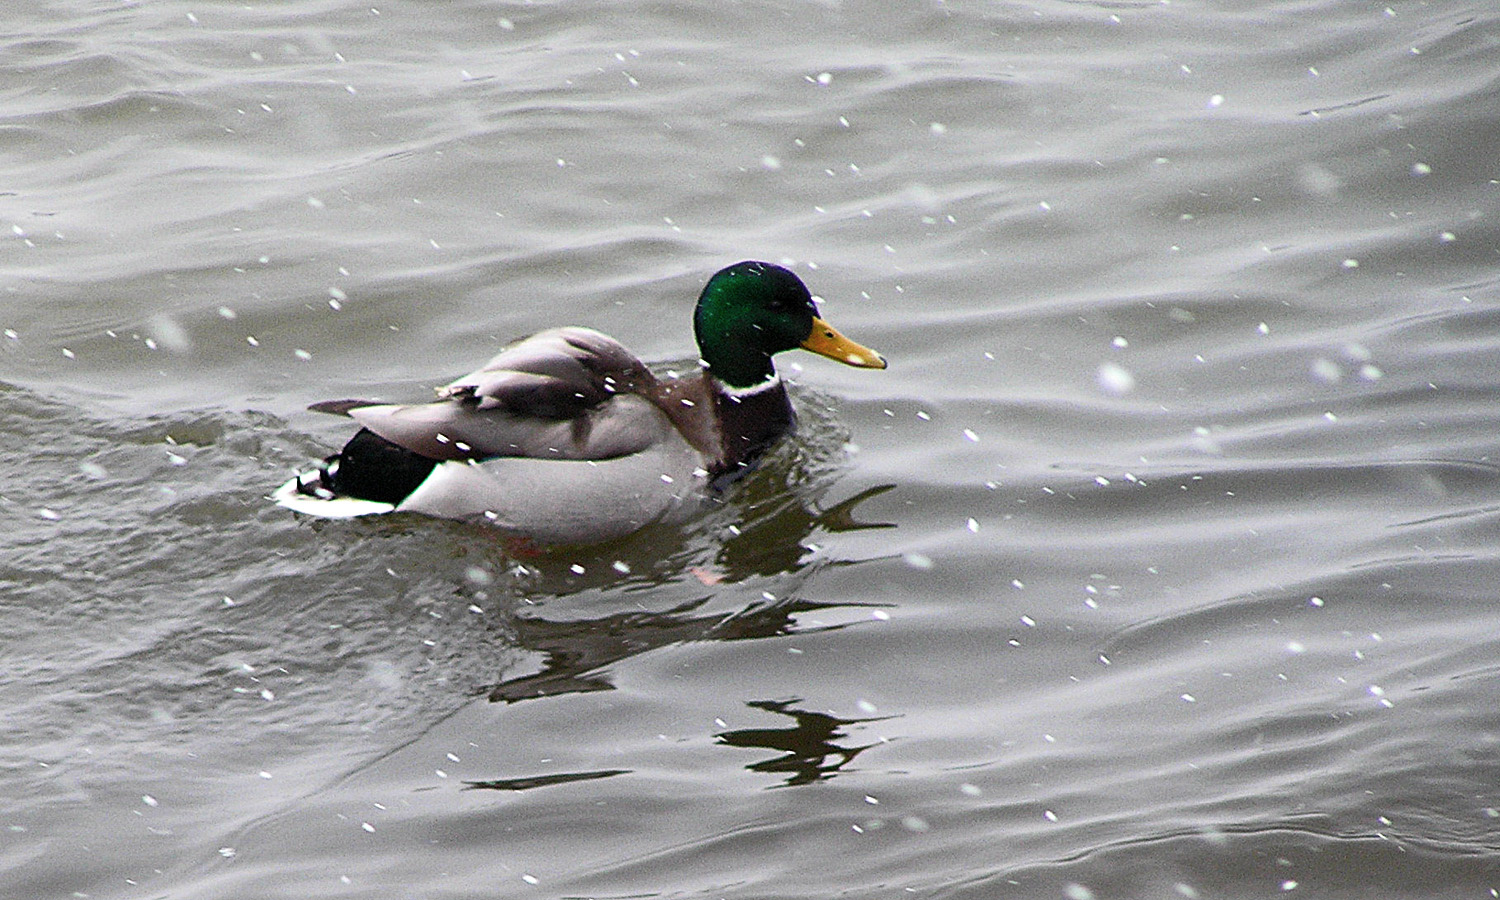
(551, 396)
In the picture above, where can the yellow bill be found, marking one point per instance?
(825, 340)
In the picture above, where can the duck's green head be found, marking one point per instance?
(751, 311)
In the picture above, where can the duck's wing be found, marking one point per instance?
(567, 393)
(554, 374)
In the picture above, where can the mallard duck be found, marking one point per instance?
(566, 437)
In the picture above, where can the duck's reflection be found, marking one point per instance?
(771, 542)
(808, 752)
(536, 781)
(774, 540)
(764, 532)
(577, 652)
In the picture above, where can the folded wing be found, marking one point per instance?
(566, 393)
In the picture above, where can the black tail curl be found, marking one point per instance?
(369, 468)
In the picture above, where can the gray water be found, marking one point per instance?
(1162, 562)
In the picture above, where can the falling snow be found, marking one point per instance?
(1115, 379)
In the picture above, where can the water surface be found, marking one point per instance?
(1161, 562)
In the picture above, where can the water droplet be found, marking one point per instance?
(1115, 379)
(1326, 370)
